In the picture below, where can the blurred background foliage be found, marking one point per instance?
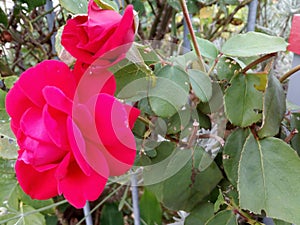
(27, 36)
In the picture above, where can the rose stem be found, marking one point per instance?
(192, 33)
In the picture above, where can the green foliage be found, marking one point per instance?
(3, 18)
(254, 174)
(223, 217)
(253, 44)
(151, 211)
(274, 108)
(265, 182)
(75, 6)
(243, 102)
(111, 215)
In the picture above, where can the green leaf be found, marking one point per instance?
(184, 61)
(107, 4)
(132, 82)
(177, 172)
(110, 215)
(34, 3)
(232, 153)
(252, 44)
(9, 81)
(35, 218)
(295, 124)
(280, 222)
(220, 201)
(243, 102)
(215, 103)
(201, 84)
(207, 48)
(175, 4)
(274, 108)
(223, 218)
(37, 204)
(75, 6)
(3, 18)
(150, 208)
(200, 214)
(226, 68)
(8, 144)
(170, 92)
(179, 121)
(268, 179)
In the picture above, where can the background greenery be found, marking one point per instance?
(27, 29)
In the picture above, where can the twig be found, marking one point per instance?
(291, 135)
(289, 73)
(192, 33)
(256, 62)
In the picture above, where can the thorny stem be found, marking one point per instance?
(146, 121)
(215, 63)
(192, 33)
(291, 135)
(256, 62)
(289, 73)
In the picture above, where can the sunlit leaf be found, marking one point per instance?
(268, 179)
(252, 44)
(274, 108)
(243, 102)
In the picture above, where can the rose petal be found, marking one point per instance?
(94, 81)
(38, 185)
(46, 73)
(15, 95)
(115, 134)
(40, 155)
(33, 125)
(72, 36)
(77, 144)
(57, 99)
(76, 187)
(133, 114)
(85, 151)
(123, 35)
(56, 126)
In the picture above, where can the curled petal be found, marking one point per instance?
(16, 95)
(115, 134)
(38, 185)
(95, 80)
(74, 36)
(46, 73)
(57, 99)
(56, 126)
(76, 186)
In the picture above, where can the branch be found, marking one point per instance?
(289, 73)
(256, 62)
(192, 33)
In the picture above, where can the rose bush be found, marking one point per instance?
(92, 37)
(70, 140)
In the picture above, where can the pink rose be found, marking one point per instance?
(72, 136)
(89, 37)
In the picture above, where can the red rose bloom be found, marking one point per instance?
(71, 136)
(89, 37)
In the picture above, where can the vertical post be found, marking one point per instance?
(252, 15)
(87, 214)
(51, 22)
(186, 42)
(294, 81)
(135, 199)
